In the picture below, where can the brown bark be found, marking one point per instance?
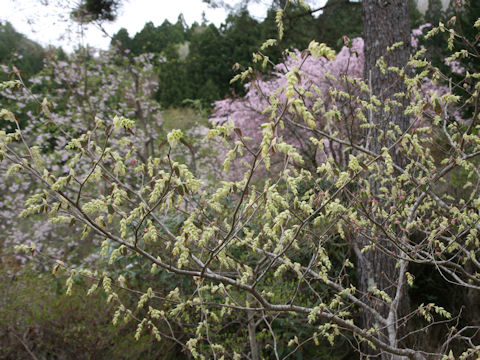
(252, 332)
(385, 22)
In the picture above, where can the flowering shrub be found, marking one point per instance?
(67, 99)
(263, 243)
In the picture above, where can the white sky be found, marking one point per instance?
(47, 21)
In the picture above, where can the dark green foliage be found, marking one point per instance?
(196, 62)
(299, 27)
(156, 39)
(462, 17)
(96, 10)
(122, 39)
(149, 39)
(465, 18)
(17, 50)
(340, 17)
(434, 12)
(174, 85)
(208, 70)
(416, 17)
(241, 34)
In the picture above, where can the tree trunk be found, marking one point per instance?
(385, 22)
(252, 331)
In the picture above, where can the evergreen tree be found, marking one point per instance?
(340, 17)
(16, 49)
(122, 39)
